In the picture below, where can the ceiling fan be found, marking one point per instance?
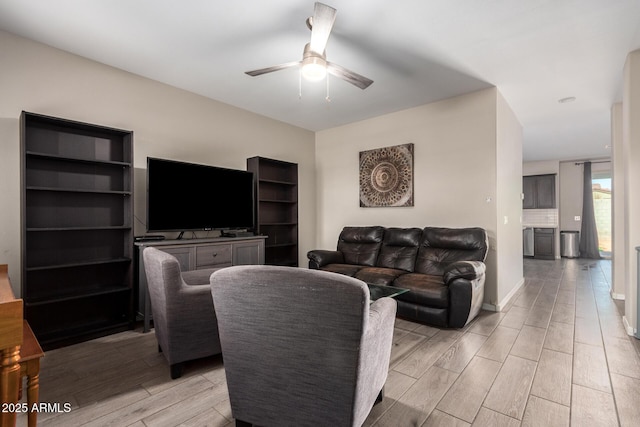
(314, 64)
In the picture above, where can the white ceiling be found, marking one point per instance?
(416, 51)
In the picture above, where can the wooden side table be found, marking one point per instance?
(30, 355)
(11, 319)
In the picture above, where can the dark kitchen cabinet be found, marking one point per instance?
(544, 243)
(529, 189)
(539, 191)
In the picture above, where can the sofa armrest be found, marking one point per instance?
(320, 257)
(469, 270)
(466, 293)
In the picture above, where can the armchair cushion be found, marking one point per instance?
(198, 277)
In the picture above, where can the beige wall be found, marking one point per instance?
(541, 167)
(570, 197)
(462, 146)
(631, 167)
(455, 173)
(508, 203)
(167, 122)
(618, 257)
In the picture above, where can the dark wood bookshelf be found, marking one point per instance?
(77, 231)
(276, 191)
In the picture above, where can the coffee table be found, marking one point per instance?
(380, 291)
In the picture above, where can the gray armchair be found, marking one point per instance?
(301, 347)
(183, 316)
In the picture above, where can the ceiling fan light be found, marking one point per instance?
(314, 69)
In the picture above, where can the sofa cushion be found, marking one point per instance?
(399, 248)
(361, 245)
(424, 289)
(345, 269)
(379, 275)
(443, 246)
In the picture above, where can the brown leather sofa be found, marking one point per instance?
(443, 268)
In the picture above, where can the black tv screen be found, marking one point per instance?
(187, 196)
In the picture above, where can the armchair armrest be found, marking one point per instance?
(191, 305)
(469, 270)
(382, 314)
(375, 354)
(320, 257)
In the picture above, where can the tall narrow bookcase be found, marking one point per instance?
(276, 191)
(77, 235)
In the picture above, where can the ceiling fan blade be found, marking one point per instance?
(349, 76)
(321, 24)
(272, 69)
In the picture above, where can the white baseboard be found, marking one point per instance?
(630, 329)
(489, 307)
(620, 297)
(500, 305)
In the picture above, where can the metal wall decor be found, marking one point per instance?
(386, 176)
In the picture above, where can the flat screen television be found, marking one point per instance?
(187, 196)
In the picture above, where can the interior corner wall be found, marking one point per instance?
(618, 230)
(167, 122)
(454, 170)
(541, 167)
(631, 161)
(509, 141)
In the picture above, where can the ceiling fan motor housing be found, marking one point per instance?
(314, 64)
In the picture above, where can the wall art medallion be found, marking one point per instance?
(386, 176)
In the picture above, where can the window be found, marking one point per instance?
(601, 186)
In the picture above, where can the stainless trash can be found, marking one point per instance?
(570, 244)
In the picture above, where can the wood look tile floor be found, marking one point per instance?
(557, 355)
